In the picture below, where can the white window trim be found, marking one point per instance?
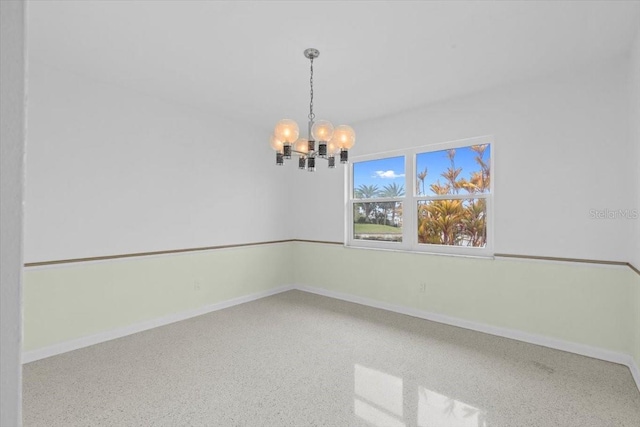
(409, 233)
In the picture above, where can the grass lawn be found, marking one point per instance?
(376, 229)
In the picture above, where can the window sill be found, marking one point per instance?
(407, 251)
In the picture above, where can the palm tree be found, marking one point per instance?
(452, 173)
(392, 190)
(485, 168)
(440, 189)
(441, 221)
(456, 221)
(421, 176)
(367, 192)
(474, 221)
(451, 154)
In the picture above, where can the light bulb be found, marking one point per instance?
(332, 148)
(276, 144)
(286, 130)
(301, 145)
(332, 151)
(344, 136)
(322, 130)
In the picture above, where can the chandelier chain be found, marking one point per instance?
(311, 115)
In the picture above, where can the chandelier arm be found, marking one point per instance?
(310, 154)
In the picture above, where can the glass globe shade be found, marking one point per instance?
(275, 143)
(344, 136)
(332, 148)
(286, 130)
(322, 130)
(302, 145)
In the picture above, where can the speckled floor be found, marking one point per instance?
(297, 359)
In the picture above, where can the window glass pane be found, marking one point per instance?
(453, 222)
(379, 178)
(464, 170)
(378, 221)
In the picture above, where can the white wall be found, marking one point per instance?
(111, 171)
(560, 144)
(12, 120)
(634, 109)
(634, 121)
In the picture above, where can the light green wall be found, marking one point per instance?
(70, 301)
(588, 304)
(582, 303)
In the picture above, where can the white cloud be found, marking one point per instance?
(388, 174)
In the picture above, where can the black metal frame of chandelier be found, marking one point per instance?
(309, 157)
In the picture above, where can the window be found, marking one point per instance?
(430, 199)
(378, 193)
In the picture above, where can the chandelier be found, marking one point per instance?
(331, 141)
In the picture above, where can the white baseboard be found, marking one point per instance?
(558, 344)
(635, 372)
(63, 347)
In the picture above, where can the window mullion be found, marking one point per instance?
(379, 200)
(465, 196)
(409, 222)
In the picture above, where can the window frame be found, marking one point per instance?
(411, 198)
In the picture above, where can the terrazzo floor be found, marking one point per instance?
(298, 359)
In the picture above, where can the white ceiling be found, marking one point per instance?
(244, 59)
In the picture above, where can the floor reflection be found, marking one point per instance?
(379, 400)
(434, 409)
(378, 397)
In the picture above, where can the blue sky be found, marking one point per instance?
(379, 172)
(386, 171)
